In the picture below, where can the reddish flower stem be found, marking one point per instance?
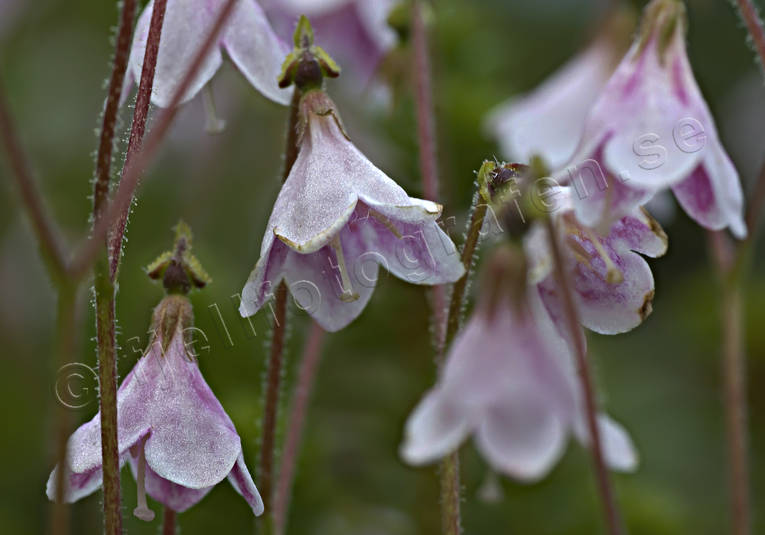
(295, 422)
(449, 473)
(751, 17)
(168, 522)
(131, 175)
(605, 487)
(426, 135)
(731, 265)
(47, 236)
(109, 120)
(137, 129)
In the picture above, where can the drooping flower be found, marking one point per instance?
(171, 428)
(338, 218)
(509, 380)
(650, 130)
(612, 283)
(355, 32)
(548, 121)
(247, 38)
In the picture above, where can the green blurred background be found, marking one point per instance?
(662, 380)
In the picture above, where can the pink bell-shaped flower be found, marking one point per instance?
(336, 220)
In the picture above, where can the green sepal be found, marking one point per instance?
(306, 65)
(179, 269)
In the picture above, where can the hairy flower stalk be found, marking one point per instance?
(172, 430)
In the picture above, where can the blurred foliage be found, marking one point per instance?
(662, 380)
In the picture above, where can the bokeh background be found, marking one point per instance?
(662, 380)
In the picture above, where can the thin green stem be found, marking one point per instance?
(107, 381)
(457, 303)
(605, 486)
(276, 355)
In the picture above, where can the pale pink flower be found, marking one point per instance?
(650, 130)
(509, 380)
(176, 435)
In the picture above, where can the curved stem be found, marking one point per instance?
(296, 421)
(605, 486)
